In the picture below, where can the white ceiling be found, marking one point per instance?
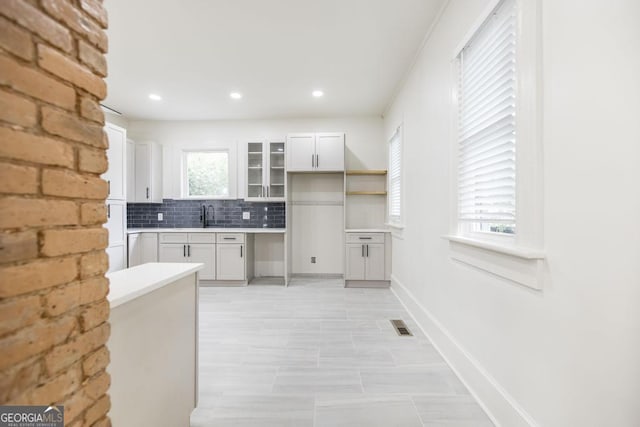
(275, 52)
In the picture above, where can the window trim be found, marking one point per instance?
(184, 189)
(529, 236)
(394, 222)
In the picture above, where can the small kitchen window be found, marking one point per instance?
(395, 178)
(205, 174)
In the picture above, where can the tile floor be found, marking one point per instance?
(316, 354)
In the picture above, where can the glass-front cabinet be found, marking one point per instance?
(265, 177)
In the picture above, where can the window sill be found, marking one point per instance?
(515, 251)
(516, 264)
(394, 225)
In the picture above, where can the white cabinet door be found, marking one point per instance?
(134, 249)
(329, 152)
(255, 167)
(143, 248)
(375, 261)
(116, 221)
(131, 171)
(231, 261)
(206, 254)
(355, 268)
(172, 252)
(117, 257)
(301, 152)
(148, 171)
(115, 174)
(276, 176)
(143, 173)
(149, 245)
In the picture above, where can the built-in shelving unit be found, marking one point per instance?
(375, 186)
(366, 193)
(367, 172)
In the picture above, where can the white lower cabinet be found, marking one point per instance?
(231, 256)
(206, 254)
(143, 248)
(230, 259)
(366, 258)
(180, 247)
(223, 261)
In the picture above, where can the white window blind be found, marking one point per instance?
(395, 173)
(487, 124)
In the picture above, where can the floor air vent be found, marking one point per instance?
(401, 328)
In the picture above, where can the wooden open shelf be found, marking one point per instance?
(366, 193)
(367, 172)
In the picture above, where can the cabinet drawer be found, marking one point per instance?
(365, 237)
(173, 237)
(202, 237)
(230, 238)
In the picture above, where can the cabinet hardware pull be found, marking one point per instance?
(189, 251)
(267, 191)
(317, 160)
(184, 251)
(229, 238)
(108, 211)
(364, 238)
(362, 251)
(240, 251)
(367, 251)
(312, 165)
(147, 193)
(109, 187)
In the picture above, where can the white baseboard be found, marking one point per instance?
(499, 405)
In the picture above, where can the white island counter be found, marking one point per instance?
(154, 344)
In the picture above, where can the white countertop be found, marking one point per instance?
(206, 230)
(367, 230)
(126, 285)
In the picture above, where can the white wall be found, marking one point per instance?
(570, 354)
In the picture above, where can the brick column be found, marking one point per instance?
(53, 307)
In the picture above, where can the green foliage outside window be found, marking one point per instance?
(207, 174)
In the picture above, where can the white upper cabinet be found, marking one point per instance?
(315, 152)
(330, 152)
(116, 154)
(265, 170)
(148, 173)
(301, 152)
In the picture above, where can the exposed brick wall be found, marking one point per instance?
(53, 307)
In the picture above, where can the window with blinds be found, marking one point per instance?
(487, 125)
(395, 174)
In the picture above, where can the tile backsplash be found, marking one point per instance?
(222, 213)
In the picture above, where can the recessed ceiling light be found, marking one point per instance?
(235, 95)
(317, 93)
(155, 97)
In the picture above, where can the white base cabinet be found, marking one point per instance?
(230, 259)
(143, 248)
(231, 256)
(224, 255)
(190, 247)
(367, 259)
